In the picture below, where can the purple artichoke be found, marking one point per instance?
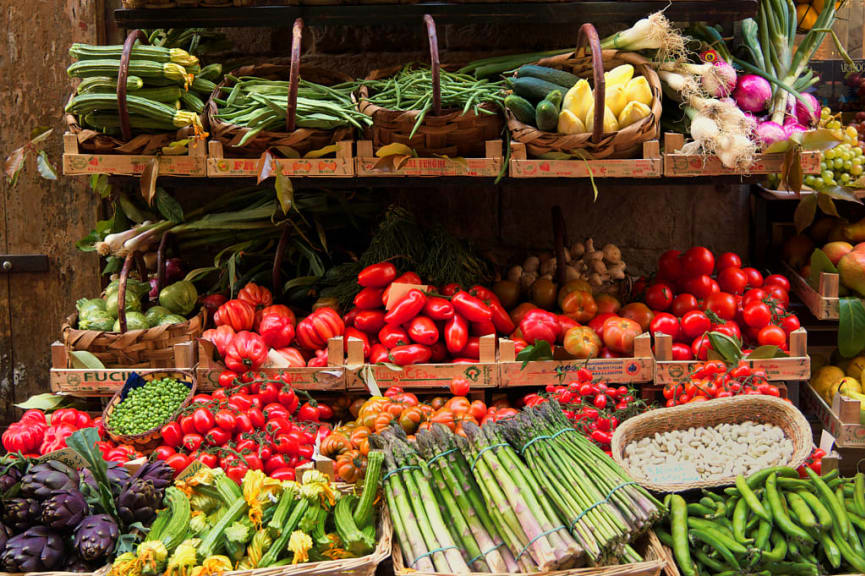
(19, 514)
(118, 476)
(74, 563)
(95, 537)
(9, 478)
(138, 502)
(158, 472)
(64, 509)
(5, 534)
(44, 478)
(36, 550)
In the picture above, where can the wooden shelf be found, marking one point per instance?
(444, 13)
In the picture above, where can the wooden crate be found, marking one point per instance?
(555, 372)
(488, 167)
(649, 166)
(693, 165)
(842, 419)
(340, 166)
(84, 382)
(823, 302)
(78, 162)
(481, 374)
(796, 367)
(330, 377)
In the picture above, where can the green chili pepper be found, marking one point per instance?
(740, 515)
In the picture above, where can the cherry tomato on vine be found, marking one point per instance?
(790, 323)
(755, 279)
(732, 280)
(728, 260)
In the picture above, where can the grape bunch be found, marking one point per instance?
(841, 165)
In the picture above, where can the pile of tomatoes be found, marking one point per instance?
(814, 462)
(260, 425)
(252, 332)
(715, 379)
(594, 408)
(688, 302)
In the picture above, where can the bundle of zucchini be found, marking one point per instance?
(557, 101)
(166, 88)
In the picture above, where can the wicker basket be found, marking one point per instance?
(443, 132)
(625, 143)
(145, 144)
(301, 140)
(762, 409)
(149, 440)
(101, 572)
(653, 553)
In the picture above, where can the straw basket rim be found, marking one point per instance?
(764, 409)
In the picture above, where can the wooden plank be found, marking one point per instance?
(649, 166)
(340, 166)
(78, 162)
(849, 434)
(796, 367)
(693, 165)
(640, 368)
(823, 303)
(488, 167)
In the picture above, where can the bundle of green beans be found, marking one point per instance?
(160, 95)
(411, 89)
(260, 104)
(772, 523)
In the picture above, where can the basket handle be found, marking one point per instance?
(435, 65)
(277, 259)
(293, 76)
(121, 290)
(160, 262)
(122, 75)
(588, 36)
(560, 240)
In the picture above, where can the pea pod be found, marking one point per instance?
(855, 543)
(697, 509)
(715, 542)
(724, 535)
(740, 515)
(665, 537)
(752, 523)
(795, 484)
(793, 568)
(679, 532)
(759, 478)
(839, 514)
(782, 520)
(828, 476)
(824, 518)
(800, 509)
(716, 497)
(847, 553)
(709, 562)
(751, 498)
(859, 493)
(856, 520)
(830, 550)
(779, 548)
(761, 540)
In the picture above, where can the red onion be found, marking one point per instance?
(722, 83)
(154, 288)
(803, 115)
(770, 132)
(792, 128)
(752, 93)
(173, 270)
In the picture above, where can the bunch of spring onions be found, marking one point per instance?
(411, 89)
(561, 504)
(260, 104)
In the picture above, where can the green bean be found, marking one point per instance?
(720, 532)
(716, 543)
(759, 478)
(795, 484)
(716, 497)
(778, 551)
(830, 550)
(793, 568)
(709, 562)
(824, 518)
(828, 476)
(849, 555)
(800, 508)
(782, 520)
(751, 498)
(679, 531)
(696, 509)
(839, 514)
(740, 515)
(859, 493)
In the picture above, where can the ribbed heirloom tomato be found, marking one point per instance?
(315, 330)
(582, 342)
(238, 314)
(619, 334)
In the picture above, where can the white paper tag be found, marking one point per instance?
(673, 473)
(826, 441)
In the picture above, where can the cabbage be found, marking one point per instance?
(155, 314)
(172, 319)
(96, 320)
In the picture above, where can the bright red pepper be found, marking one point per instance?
(438, 308)
(472, 349)
(539, 325)
(369, 321)
(277, 331)
(409, 354)
(391, 336)
(377, 354)
(355, 333)
(482, 328)
(315, 330)
(501, 319)
(377, 275)
(247, 351)
(422, 330)
(456, 334)
(471, 308)
(369, 298)
(406, 308)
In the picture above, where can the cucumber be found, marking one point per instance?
(560, 77)
(521, 108)
(532, 89)
(547, 112)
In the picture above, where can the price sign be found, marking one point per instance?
(673, 473)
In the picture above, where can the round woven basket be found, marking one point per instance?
(146, 144)
(624, 143)
(735, 410)
(301, 140)
(443, 132)
(152, 438)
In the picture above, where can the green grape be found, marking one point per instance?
(848, 165)
(856, 170)
(845, 178)
(838, 163)
(829, 154)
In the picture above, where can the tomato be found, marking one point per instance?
(699, 286)
(247, 351)
(682, 352)
(279, 310)
(670, 266)
(209, 460)
(597, 323)
(237, 314)
(377, 275)
(695, 323)
(755, 279)
(268, 393)
(242, 424)
(582, 342)
(163, 452)
(203, 420)
(777, 280)
(235, 469)
(781, 296)
(607, 304)
(217, 437)
(409, 420)
(171, 434)
(729, 328)
(276, 331)
(728, 260)
(178, 462)
(220, 337)
(619, 334)
(256, 296)
(565, 324)
(186, 425)
(698, 261)
(732, 280)
(275, 410)
(192, 442)
(459, 387)
(790, 323)
(665, 323)
(753, 295)
(700, 347)
(756, 314)
(24, 436)
(391, 336)
(722, 305)
(228, 379)
(639, 313)
(659, 296)
(683, 303)
(579, 305)
(423, 330)
(308, 412)
(350, 466)
(540, 325)
(315, 330)
(369, 321)
(772, 336)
